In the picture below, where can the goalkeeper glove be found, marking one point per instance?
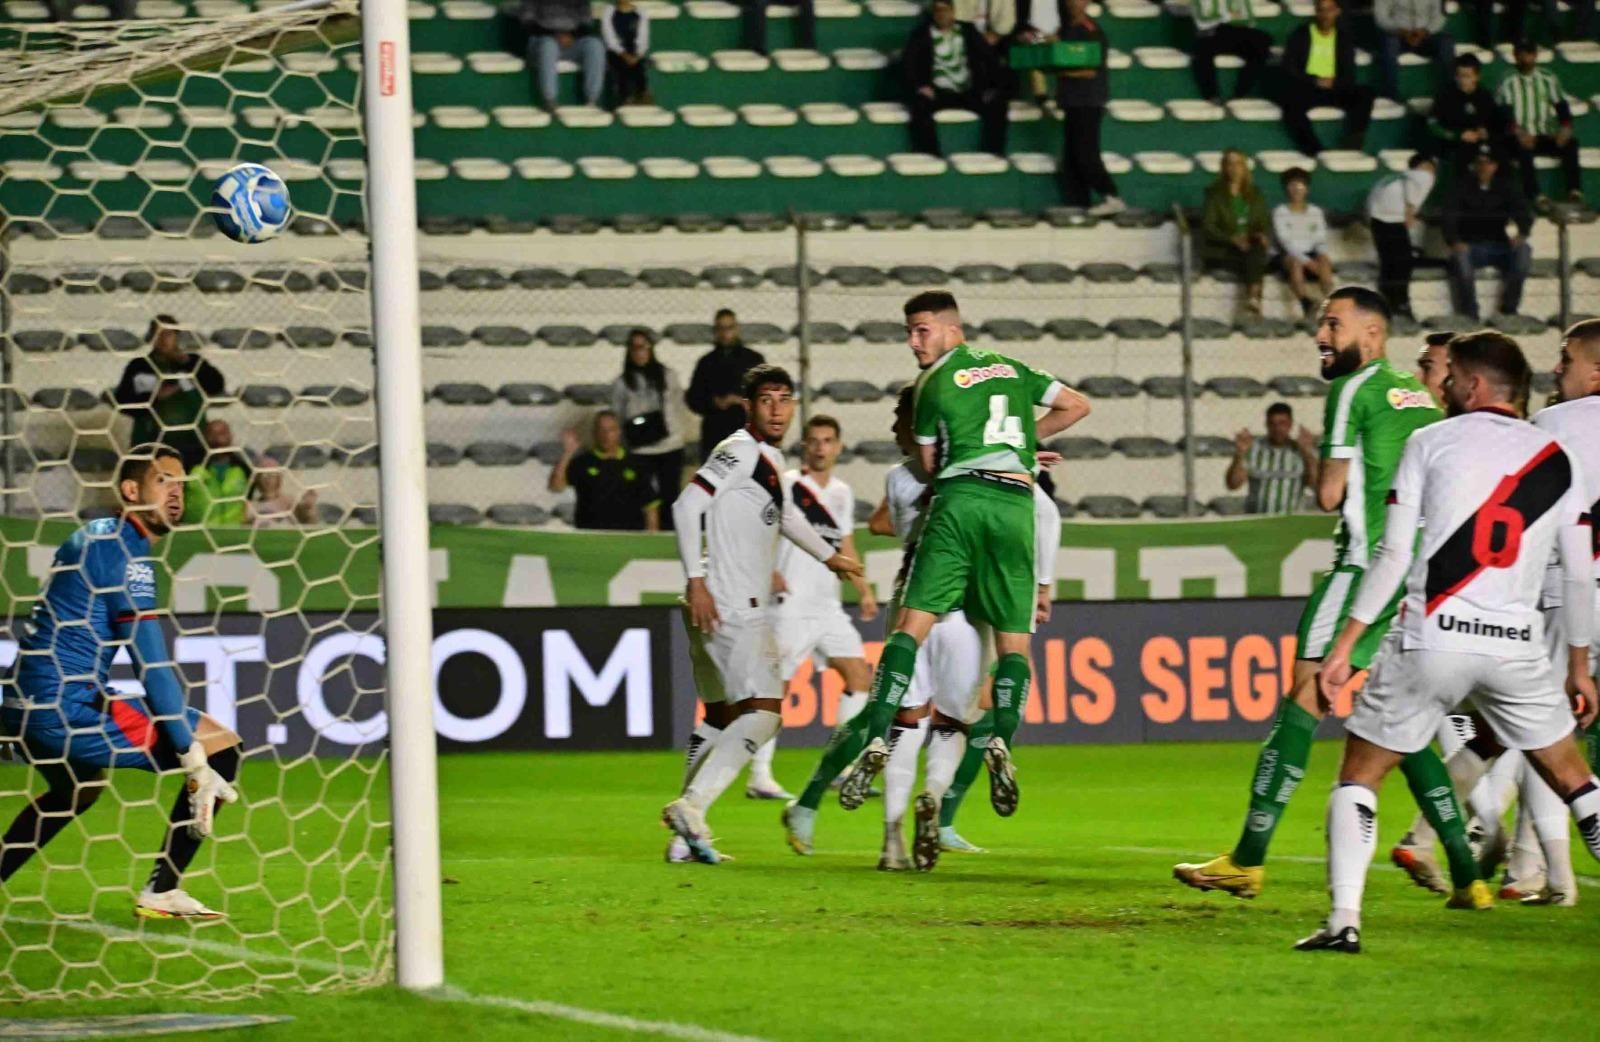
(205, 787)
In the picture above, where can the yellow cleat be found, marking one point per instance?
(1475, 898)
(1220, 873)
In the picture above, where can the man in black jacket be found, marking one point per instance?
(1319, 63)
(1465, 117)
(715, 391)
(1475, 219)
(949, 65)
(166, 393)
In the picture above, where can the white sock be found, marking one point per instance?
(900, 773)
(1492, 794)
(728, 756)
(851, 703)
(701, 739)
(761, 764)
(1527, 858)
(1585, 807)
(1352, 839)
(1548, 816)
(945, 750)
(1454, 732)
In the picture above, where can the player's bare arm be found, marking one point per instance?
(1068, 408)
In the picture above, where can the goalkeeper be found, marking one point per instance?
(101, 596)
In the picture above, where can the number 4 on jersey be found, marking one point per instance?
(1002, 429)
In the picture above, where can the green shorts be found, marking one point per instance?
(976, 553)
(1327, 611)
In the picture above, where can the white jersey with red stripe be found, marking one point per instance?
(743, 522)
(1576, 425)
(1494, 494)
(812, 589)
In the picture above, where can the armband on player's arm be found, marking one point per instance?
(162, 691)
(1575, 545)
(687, 511)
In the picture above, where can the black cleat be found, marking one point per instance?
(1347, 940)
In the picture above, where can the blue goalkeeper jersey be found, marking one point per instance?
(101, 585)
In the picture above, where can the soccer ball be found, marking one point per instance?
(251, 203)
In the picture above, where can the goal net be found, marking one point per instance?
(112, 136)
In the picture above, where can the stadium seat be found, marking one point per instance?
(266, 396)
(919, 275)
(22, 284)
(1518, 325)
(496, 454)
(361, 456)
(730, 276)
(529, 394)
(73, 399)
(1202, 328)
(282, 280)
(1108, 387)
(1235, 387)
(300, 457)
(877, 331)
(1298, 386)
(1074, 329)
(878, 451)
(476, 279)
(463, 394)
(502, 336)
(761, 333)
(1163, 272)
(565, 335)
(526, 515)
(1045, 273)
(1210, 446)
(110, 340)
(38, 340)
(361, 338)
(1011, 329)
(851, 391)
(1166, 506)
(547, 452)
(980, 274)
(309, 336)
(788, 275)
(234, 338)
(857, 275)
(1080, 448)
(443, 336)
(668, 278)
(588, 394)
(1167, 387)
(604, 278)
(1139, 446)
(453, 514)
(1258, 328)
(1227, 506)
(1108, 507)
(541, 278)
(689, 333)
(219, 280)
(442, 454)
(825, 333)
(1137, 329)
(341, 395)
(1108, 271)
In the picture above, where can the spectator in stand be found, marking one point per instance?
(716, 390)
(649, 403)
(755, 23)
(1279, 468)
(1233, 227)
(1540, 123)
(995, 19)
(228, 488)
(1083, 94)
(1412, 27)
(563, 30)
(1319, 63)
(1465, 117)
(1393, 208)
(625, 30)
(613, 491)
(949, 65)
(1301, 229)
(1227, 27)
(1475, 219)
(166, 392)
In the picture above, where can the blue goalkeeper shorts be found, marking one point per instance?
(90, 728)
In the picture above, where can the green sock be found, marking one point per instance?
(844, 745)
(895, 666)
(1011, 676)
(967, 773)
(1591, 741)
(1436, 795)
(1279, 768)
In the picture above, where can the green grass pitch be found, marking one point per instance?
(1072, 928)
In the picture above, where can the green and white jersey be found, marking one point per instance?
(1370, 415)
(1532, 100)
(977, 407)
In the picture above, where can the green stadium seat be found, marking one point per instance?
(541, 278)
(636, 223)
(359, 456)
(1108, 387)
(759, 221)
(361, 338)
(78, 282)
(857, 276)
(547, 452)
(24, 284)
(529, 394)
(277, 280)
(355, 279)
(300, 457)
(1202, 328)
(1009, 217)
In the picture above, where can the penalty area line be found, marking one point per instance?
(593, 1017)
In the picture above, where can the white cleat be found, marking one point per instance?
(678, 853)
(173, 904)
(893, 858)
(799, 825)
(1515, 888)
(690, 825)
(1547, 896)
(951, 840)
(766, 789)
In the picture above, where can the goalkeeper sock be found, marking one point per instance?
(1352, 838)
(1011, 678)
(700, 743)
(895, 665)
(844, 745)
(850, 703)
(729, 754)
(1584, 802)
(1279, 768)
(39, 822)
(900, 773)
(180, 847)
(1431, 787)
(945, 750)
(971, 763)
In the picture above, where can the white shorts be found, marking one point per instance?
(739, 660)
(1409, 693)
(950, 671)
(819, 637)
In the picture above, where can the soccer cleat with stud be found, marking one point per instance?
(1419, 863)
(767, 790)
(953, 841)
(173, 904)
(1546, 896)
(1220, 873)
(926, 841)
(893, 858)
(689, 824)
(853, 793)
(1003, 792)
(799, 825)
(1347, 940)
(1515, 889)
(1476, 897)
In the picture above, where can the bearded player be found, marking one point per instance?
(1372, 409)
(977, 436)
(72, 726)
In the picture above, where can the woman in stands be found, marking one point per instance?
(649, 401)
(1234, 227)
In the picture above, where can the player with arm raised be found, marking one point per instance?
(810, 618)
(1496, 496)
(1372, 409)
(738, 495)
(977, 435)
(100, 597)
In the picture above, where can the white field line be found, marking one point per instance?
(157, 938)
